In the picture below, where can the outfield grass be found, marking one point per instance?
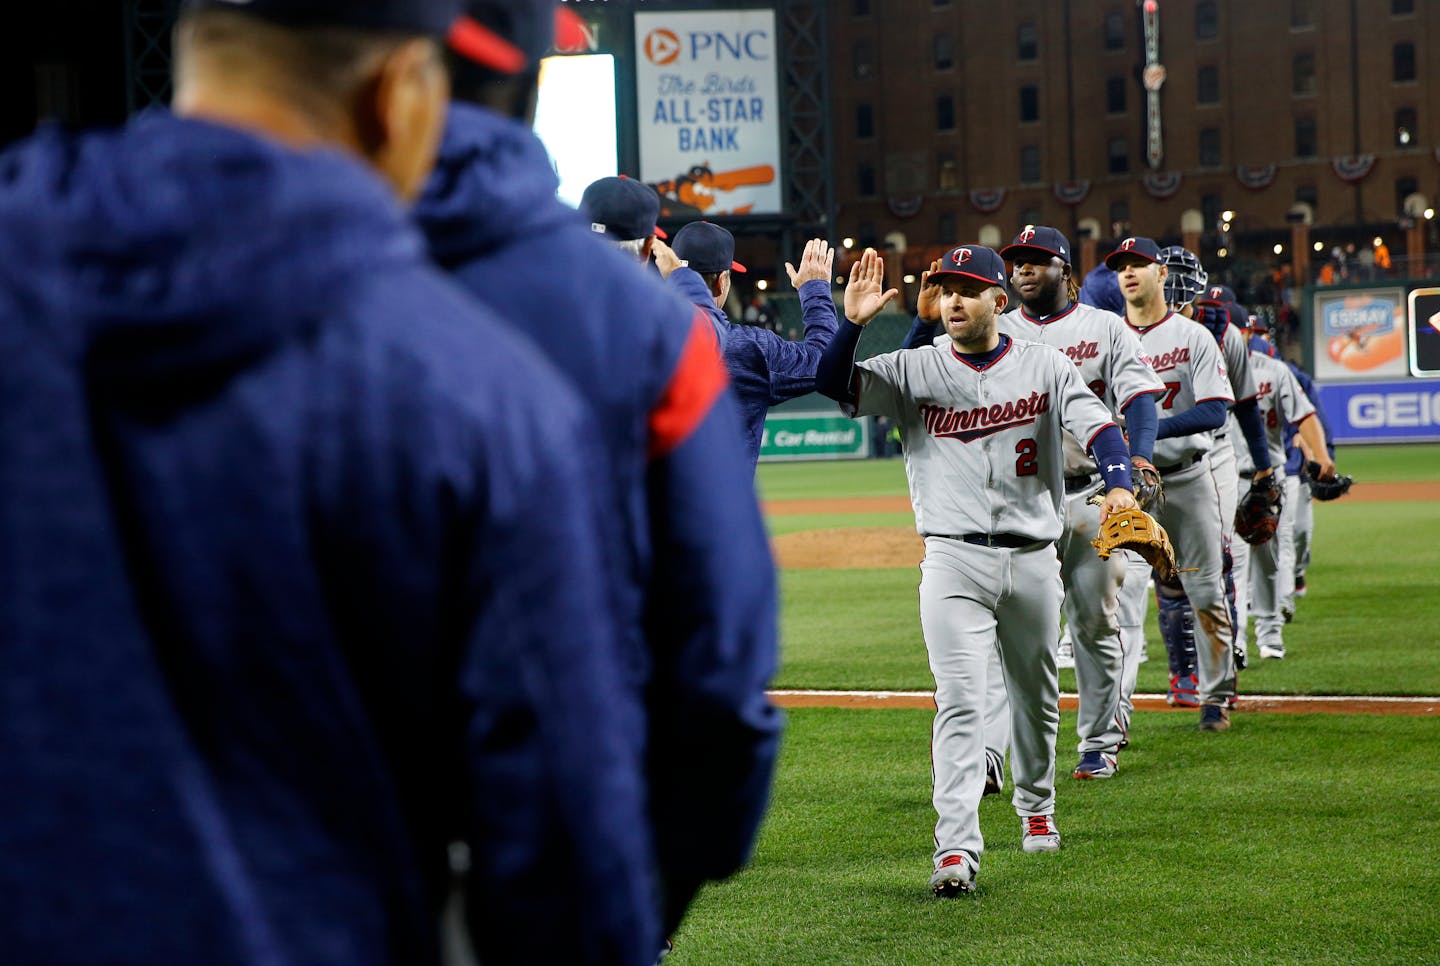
(1290, 839)
(1284, 840)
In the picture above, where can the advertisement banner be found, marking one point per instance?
(1425, 332)
(1383, 412)
(708, 111)
(1360, 333)
(814, 436)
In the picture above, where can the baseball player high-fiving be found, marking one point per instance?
(983, 418)
(1197, 392)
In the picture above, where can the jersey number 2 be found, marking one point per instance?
(1025, 464)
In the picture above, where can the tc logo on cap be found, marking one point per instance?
(1026, 235)
(961, 256)
(1127, 244)
(1216, 292)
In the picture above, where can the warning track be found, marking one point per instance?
(1269, 703)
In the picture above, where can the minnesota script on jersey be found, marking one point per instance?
(983, 446)
(1186, 358)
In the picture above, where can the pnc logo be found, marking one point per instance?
(1026, 235)
(961, 256)
(662, 46)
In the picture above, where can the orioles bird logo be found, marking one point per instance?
(961, 256)
(1127, 244)
(1026, 235)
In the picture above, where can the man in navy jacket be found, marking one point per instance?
(299, 557)
(687, 550)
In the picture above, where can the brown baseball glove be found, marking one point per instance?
(1138, 531)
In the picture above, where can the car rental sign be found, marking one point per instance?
(707, 107)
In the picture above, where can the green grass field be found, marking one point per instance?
(1298, 839)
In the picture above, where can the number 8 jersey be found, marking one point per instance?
(983, 444)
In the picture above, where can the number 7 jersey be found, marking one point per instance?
(1187, 359)
(983, 444)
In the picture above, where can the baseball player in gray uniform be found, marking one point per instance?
(1187, 359)
(1266, 570)
(983, 420)
(1107, 355)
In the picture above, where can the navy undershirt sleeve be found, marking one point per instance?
(1207, 415)
(921, 334)
(1111, 456)
(1141, 421)
(837, 363)
(1247, 414)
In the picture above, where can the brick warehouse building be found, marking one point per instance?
(953, 115)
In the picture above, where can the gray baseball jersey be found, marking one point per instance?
(1187, 360)
(1236, 350)
(983, 447)
(1281, 400)
(1106, 353)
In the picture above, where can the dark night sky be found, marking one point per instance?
(87, 36)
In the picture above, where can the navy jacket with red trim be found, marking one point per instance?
(299, 580)
(689, 549)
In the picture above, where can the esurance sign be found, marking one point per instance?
(707, 107)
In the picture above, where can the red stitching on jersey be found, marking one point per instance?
(698, 380)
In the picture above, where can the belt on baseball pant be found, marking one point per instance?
(1247, 474)
(1177, 467)
(1074, 484)
(1010, 541)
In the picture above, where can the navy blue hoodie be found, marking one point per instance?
(280, 613)
(689, 554)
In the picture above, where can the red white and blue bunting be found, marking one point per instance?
(1353, 167)
(1071, 192)
(987, 200)
(1162, 184)
(1256, 176)
(905, 207)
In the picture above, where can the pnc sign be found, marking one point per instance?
(662, 46)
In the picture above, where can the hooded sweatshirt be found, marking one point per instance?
(280, 613)
(689, 557)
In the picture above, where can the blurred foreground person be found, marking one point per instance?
(299, 556)
(685, 547)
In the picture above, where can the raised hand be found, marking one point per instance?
(927, 306)
(865, 295)
(816, 263)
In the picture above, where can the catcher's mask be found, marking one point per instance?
(1186, 278)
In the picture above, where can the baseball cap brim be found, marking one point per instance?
(736, 267)
(1010, 251)
(952, 273)
(478, 43)
(660, 233)
(1115, 256)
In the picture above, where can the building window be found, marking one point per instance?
(1402, 8)
(1119, 154)
(864, 60)
(1405, 133)
(1210, 208)
(1029, 103)
(1027, 42)
(1115, 95)
(1305, 140)
(1309, 194)
(939, 3)
(949, 172)
(944, 52)
(1114, 30)
(1029, 164)
(1119, 219)
(947, 228)
(1302, 74)
(864, 121)
(1209, 147)
(865, 179)
(1302, 14)
(944, 113)
(1404, 188)
(1207, 20)
(1031, 216)
(1404, 62)
(1207, 84)
(860, 8)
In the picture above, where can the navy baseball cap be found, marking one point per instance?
(1217, 295)
(622, 208)
(1258, 323)
(510, 36)
(972, 261)
(433, 17)
(706, 248)
(1041, 239)
(1135, 245)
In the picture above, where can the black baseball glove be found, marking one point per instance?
(1327, 489)
(1258, 515)
(1145, 479)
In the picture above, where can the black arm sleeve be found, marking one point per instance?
(833, 377)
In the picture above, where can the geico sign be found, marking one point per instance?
(1373, 410)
